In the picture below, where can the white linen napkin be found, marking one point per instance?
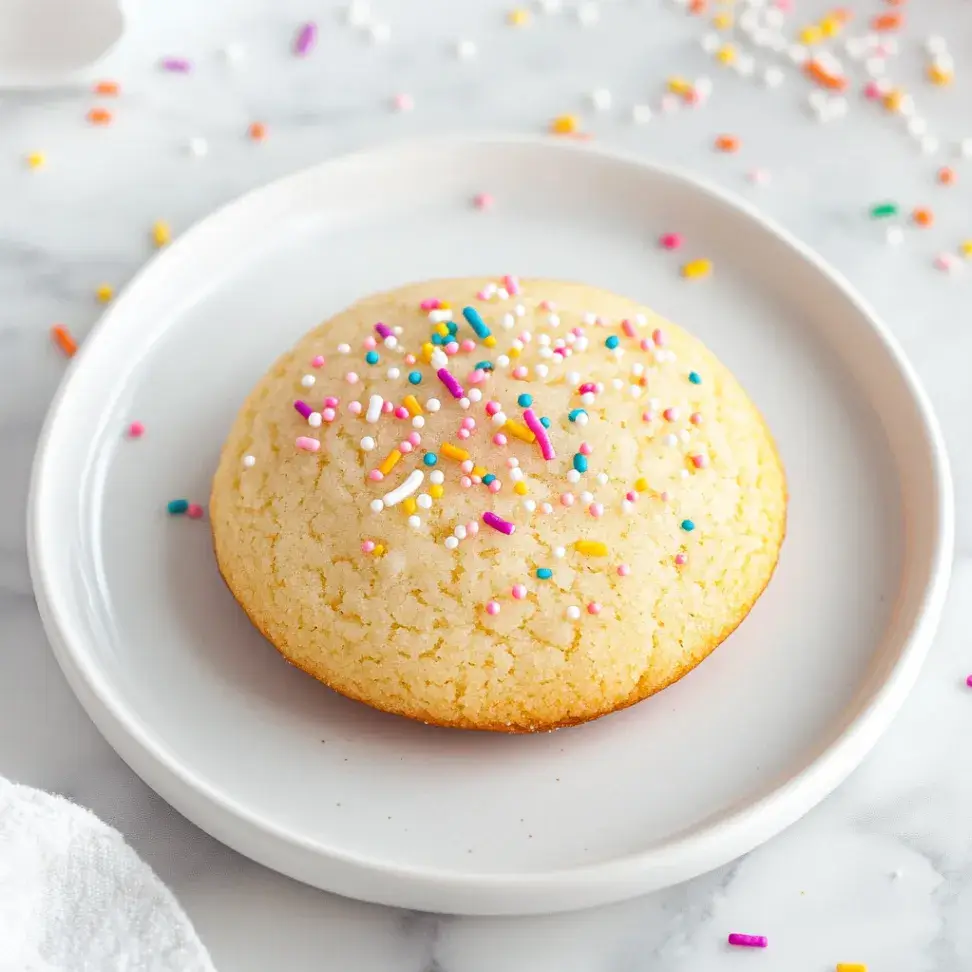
(74, 897)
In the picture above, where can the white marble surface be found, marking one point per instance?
(882, 871)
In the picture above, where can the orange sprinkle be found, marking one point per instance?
(565, 125)
(938, 75)
(727, 143)
(62, 338)
(842, 15)
(110, 88)
(946, 176)
(817, 72)
(257, 131)
(923, 217)
(99, 116)
(697, 6)
(888, 21)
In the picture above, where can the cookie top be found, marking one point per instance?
(508, 505)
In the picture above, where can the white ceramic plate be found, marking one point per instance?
(375, 807)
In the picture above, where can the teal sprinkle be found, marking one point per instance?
(177, 506)
(430, 458)
(415, 377)
(484, 365)
(544, 573)
(574, 412)
(476, 322)
(372, 357)
(580, 462)
(695, 378)
(612, 342)
(452, 327)
(437, 338)
(524, 400)
(544, 421)
(688, 526)
(488, 478)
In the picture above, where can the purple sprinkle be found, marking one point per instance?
(384, 331)
(748, 941)
(968, 681)
(179, 64)
(455, 389)
(306, 39)
(303, 408)
(498, 523)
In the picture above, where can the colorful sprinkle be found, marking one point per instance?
(727, 143)
(492, 607)
(498, 523)
(99, 116)
(518, 430)
(612, 342)
(748, 941)
(695, 378)
(687, 525)
(576, 414)
(372, 357)
(593, 608)
(430, 459)
(306, 443)
(161, 233)
(670, 241)
(136, 430)
(177, 506)
(524, 400)
(851, 967)
(580, 463)
(63, 339)
(388, 463)
(177, 64)
(591, 548)
(306, 39)
(409, 486)
(565, 125)
(543, 440)
(696, 269)
(194, 511)
(452, 386)
(476, 322)
(544, 573)
(519, 591)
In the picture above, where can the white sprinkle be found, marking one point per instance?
(418, 422)
(519, 310)
(573, 612)
(745, 65)
(875, 66)
(344, 349)
(894, 235)
(249, 462)
(379, 33)
(414, 522)
(588, 14)
(508, 321)
(436, 477)
(367, 444)
(573, 476)
(684, 435)
(308, 381)
(627, 506)
(439, 359)
(499, 419)
(935, 45)
(234, 52)
(502, 293)
(376, 505)
(617, 383)
(359, 13)
(601, 99)
(588, 398)
(314, 420)
(411, 484)
(440, 316)
(710, 43)
(670, 440)
(460, 532)
(516, 474)
(602, 478)
(503, 361)
(464, 402)
(683, 474)
(560, 552)
(475, 395)
(550, 6)
(582, 419)
(393, 373)
(929, 145)
(542, 370)
(374, 408)
(703, 86)
(465, 50)
(573, 377)
(424, 501)
(641, 114)
(197, 147)
(553, 320)
(798, 54)
(433, 405)
(917, 127)
(587, 496)
(530, 505)
(451, 543)
(965, 148)
(669, 103)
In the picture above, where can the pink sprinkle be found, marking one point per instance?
(451, 349)
(588, 388)
(493, 407)
(194, 512)
(498, 523)
(512, 285)
(404, 448)
(519, 591)
(477, 377)
(495, 486)
(404, 102)
(631, 496)
(658, 336)
(759, 177)
(430, 303)
(467, 346)
(307, 443)
(670, 241)
(671, 414)
(452, 386)
(546, 508)
(370, 343)
(468, 422)
(700, 461)
(566, 499)
(483, 201)
(351, 378)
(492, 607)
(696, 418)
(306, 39)
(526, 337)
(680, 560)
(354, 408)
(872, 90)
(628, 328)
(482, 295)
(586, 449)
(547, 305)
(968, 681)
(593, 608)
(415, 438)
(472, 528)
(750, 941)
(596, 510)
(543, 440)
(945, 261)
(383, 331)
(645, 344)
(623, 570)
(520, 371)
(376, 475)
(466, 466)
(465, 482)
(647, 417)
(463, 433)
(331, 402)
(367, 546)
(177, 64)
(500, 439)
(329, 415)
(387, 407)
(136, 430)
(410, 359)
(401, 412)
(317, 361)
(664, 496)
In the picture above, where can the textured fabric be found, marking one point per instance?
(74, 897)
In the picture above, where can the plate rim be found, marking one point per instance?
(701, 848)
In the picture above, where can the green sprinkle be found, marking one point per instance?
(372, 357)
(524, 400)
(688, 526)
(430, 458)
(544, 573)
(580, 462)
(415, 377)
(488, 478)
(695, 378)
(883, 210)
(612, 342)
(177, 506)
(574, 413)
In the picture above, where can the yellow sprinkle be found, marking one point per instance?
(726, 54)
(453, 452)
(520, 488)
(679, 86)
(411, 403)
(36, 160)
(892, 100)
(831, 26)
(445, 305)
(436, 490)
(697, 268)
(161, 233)
(490, 341)
(442, 329)
(938, 75)
(519, 430)
(427, 350)
(591, 548)
(851, 967)
(379, 549)
(513, 353)
(104, 293)
(478, 471)
(811, 35)
(519, 17)
(641, 484)
(409, 505)
(722, 21)
(565, 125)
(389, 462)
(965, 248)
